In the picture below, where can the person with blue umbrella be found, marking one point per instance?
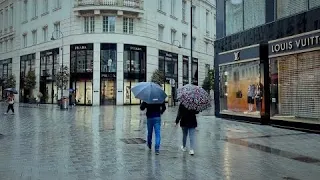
(153, 98)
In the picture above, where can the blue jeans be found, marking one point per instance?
(191, 132)
(154, 123)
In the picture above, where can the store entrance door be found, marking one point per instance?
(83, 89)
(108, 91)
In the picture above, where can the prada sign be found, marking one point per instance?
(295, 44)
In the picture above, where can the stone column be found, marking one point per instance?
(96, 75)
(120, 77)
(37, 74)
(152, 61)
(16, 73)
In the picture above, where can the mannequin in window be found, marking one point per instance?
(251, 95)
(109, 65)
(258, 97)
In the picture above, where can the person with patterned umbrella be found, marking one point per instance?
(193, 99)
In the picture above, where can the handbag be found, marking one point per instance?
(239, 94)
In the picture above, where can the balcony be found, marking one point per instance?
(122, 6)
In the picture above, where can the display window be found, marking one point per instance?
(127, 93)
(241, 89)
(83, 90)
(108, 91)
(5, 72)
(295, 87)
(194, 71)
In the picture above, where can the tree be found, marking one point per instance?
(30, 81)
(208, 83)
(62, 78)
(158, 77)
(10, 82)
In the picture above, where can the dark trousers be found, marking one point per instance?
(10, 107)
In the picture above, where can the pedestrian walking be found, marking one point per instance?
(10, 101)
(153, 98)
(188, 123)
(153, 113)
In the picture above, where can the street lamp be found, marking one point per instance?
(52, 38)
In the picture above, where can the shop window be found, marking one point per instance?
(109, 61)
(295, 86)
(234, 17)
(290, 7)
(241, 94)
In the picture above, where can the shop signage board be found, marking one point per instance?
(294, 44)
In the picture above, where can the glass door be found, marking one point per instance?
(108, 92)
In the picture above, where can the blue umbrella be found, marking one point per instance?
(149, 92)
(13, 90)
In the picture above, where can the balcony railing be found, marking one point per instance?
(138, 4)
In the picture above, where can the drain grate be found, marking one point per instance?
(290, 178)
(134, 141)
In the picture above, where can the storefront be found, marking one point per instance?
(134, 69)
(295, 78)
(81, 72)
(108, 81)
(168, 63)
(185, 78)
(5, 72)
(194, 71)
(49, 65)
(242, 83)
(27, 64)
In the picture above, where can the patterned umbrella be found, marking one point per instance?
(194, 97)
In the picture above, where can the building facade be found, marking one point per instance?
(267, 62)
(107, 45)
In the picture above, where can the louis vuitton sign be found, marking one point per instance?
(246, 53)
(301, 42)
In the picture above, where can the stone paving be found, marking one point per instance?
(90, 143)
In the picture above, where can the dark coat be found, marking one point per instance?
(186, 117)
(153, 110)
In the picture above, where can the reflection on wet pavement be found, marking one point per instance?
(108, 143)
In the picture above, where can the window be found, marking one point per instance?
(35, 8)
(1, 22)
(109, 23)
(184, 6)
(11, 44)
(173, 7)
(244, 15)
(57, 4)
(173, 35)
(290, 7)
(6, 46)
(128, 25)
(314, 3)
(160, 4)
(57, 29)
(254, 13)
(25, 11)
(193, 42)
(207, 46)
(25, 43)
(34, 37)
(6, 14)
(207, 23)
(193, 15)
(89, 24)
(45, 6)
(45, 34)
(11, 15)
(184, 40)
(160, 32)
